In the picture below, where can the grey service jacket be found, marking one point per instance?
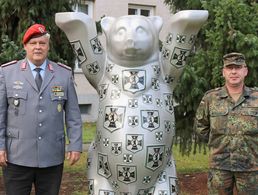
(32, 121)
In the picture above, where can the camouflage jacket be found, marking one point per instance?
(230, 129)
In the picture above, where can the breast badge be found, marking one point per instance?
(16, 102)
(59, 107)
(17, 85)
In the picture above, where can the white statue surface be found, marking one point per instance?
(132, 151)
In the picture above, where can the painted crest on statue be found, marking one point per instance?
(134, 80)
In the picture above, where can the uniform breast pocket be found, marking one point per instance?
(218, 121)
(250, 120)
(17, 101)
(57, 103)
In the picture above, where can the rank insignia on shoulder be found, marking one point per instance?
(9, 63)
(64, 66)
(212, 90)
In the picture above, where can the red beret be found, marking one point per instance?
(36, 30)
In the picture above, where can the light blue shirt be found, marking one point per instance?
(42, 66)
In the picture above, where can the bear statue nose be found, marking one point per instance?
(130, 43)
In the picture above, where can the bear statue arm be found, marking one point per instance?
(80, 30)
(184, 27)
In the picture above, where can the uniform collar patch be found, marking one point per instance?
(50, 67)
(23, 65)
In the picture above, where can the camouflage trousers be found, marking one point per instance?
(222, 182)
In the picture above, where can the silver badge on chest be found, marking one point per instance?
(16, 102)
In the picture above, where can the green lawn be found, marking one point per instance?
(188, 164)
(89, 130)
(185, 164)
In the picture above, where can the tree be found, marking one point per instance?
(16, 16)
(232, 26)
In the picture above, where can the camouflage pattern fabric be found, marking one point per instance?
(230, 129)
(222, 182)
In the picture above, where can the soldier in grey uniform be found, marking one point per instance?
(34, 95)
(227, 118)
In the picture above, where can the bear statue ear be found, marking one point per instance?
(157, 22)
(106, 23)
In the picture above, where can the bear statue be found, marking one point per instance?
(132, 151)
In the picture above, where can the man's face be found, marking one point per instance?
(235, 75)
(37, 49)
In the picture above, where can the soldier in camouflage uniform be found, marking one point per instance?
(227, 118)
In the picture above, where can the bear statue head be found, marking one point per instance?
(132, 40)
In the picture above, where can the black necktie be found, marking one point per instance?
(38, 78)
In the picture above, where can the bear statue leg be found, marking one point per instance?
(96, 183)
(167, 181)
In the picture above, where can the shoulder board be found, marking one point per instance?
(212, 90)
(64, 66)
(254, 88)
(9, 63)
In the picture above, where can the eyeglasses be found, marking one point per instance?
(236, 67)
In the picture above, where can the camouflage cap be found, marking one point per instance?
(234, 59)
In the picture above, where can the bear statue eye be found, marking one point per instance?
(140, 30)
(121, 31)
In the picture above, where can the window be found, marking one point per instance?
(143, 10)
(85, 7)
